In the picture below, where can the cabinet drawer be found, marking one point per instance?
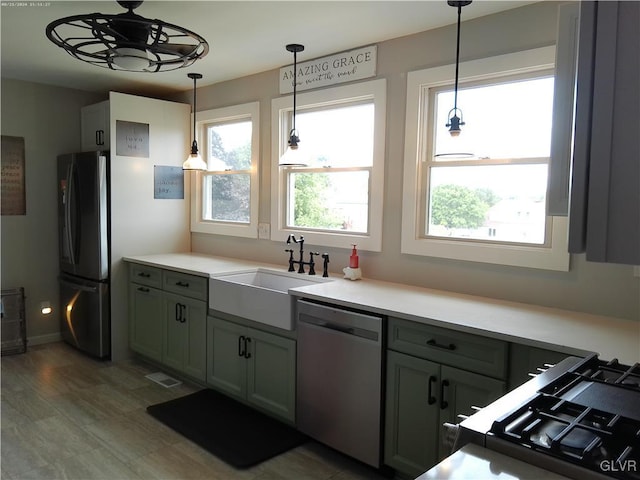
(185, 284)
(145, 275)
(469, 352)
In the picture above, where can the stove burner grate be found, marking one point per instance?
(580, 434)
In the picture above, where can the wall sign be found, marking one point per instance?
(132, 139)
(168, 182)
(13, 199)
(339, 68)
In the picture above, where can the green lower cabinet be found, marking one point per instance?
(252, 365)
(184, 341)
(461, 391)
(145, 320)
(411, 421)
(226, 367)
(422, 395)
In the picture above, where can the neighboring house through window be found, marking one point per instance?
(481, 196)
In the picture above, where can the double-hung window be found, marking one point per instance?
(226, 195)
(335, 198)
(481, 196)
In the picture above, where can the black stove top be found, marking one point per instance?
(589, 416)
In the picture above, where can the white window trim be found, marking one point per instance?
(198, 224)
(413, 241)
(280, 107)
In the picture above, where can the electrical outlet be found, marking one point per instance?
(264, 231)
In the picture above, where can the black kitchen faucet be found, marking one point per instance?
(301, 263)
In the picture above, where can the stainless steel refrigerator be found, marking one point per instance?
(84, 239)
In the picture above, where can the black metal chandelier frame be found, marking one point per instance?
(99, 39)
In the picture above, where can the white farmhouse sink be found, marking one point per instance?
(260, 295)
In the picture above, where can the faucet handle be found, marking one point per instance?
(325, 268)
(312, 270)
(290, 251)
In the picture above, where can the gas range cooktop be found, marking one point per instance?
(582, 418)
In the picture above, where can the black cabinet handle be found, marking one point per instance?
(241, 346)
(182, 284)
(144, 275)
(433, 343)
(180, 309)
(432, 399)
(443, 403)
(247, 347)
(143, 289)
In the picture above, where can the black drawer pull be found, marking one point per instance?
(433, 343)
(143, 290)
(431, 399)
(144, 275)
(183, 284)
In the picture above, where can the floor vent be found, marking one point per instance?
(162, 379)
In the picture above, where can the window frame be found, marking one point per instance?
(247, 111)
(281, 109)
(418, 139)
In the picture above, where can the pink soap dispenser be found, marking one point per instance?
(353, 259)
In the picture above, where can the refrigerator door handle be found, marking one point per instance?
(71, 201)
(79, 286)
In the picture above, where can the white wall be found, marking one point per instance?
(141, 224)
(49, 120)
(588, 287)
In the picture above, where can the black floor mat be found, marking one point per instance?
(228, 429)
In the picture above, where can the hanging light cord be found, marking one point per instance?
(194, 110)
(194, 144)
(295, 85)
(455, 91)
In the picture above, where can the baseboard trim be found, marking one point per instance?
(42, 339)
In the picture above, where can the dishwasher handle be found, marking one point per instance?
(372, 334)
(330, 326)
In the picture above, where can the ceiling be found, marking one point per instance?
(245, 37)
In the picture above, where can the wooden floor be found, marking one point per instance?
(67, 416)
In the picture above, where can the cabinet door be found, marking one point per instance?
(145, 320)
(94, 127)
(411, 426)
(173, 340)
(459, 391)
(195, 325)
(226, 364)
(184, 343)
(271, 373)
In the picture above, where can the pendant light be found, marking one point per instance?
(454, 120)
(293, 157)
(194, 161)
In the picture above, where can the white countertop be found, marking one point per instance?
(522, 323)
(473, 462)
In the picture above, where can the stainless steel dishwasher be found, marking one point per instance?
(339, 379)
